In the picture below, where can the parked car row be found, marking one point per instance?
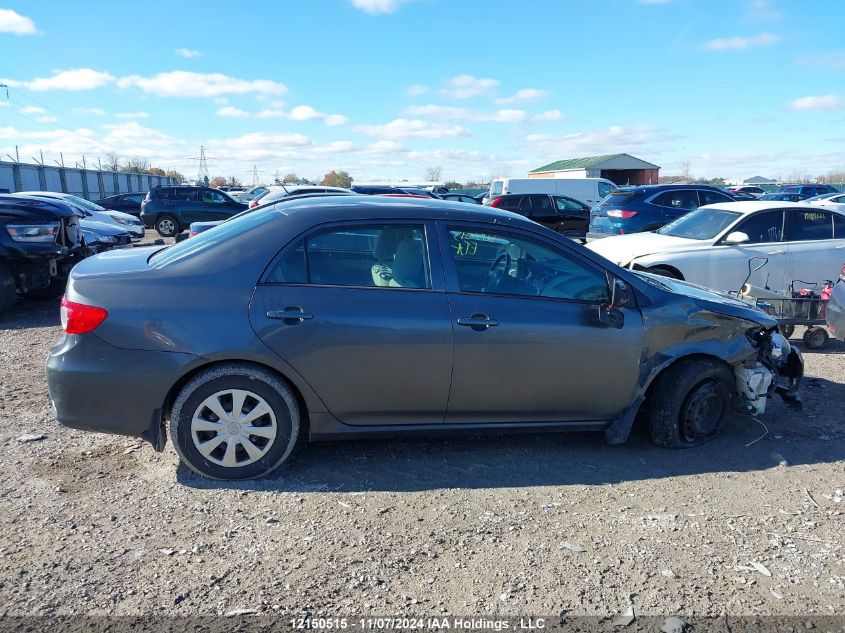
(44, 234)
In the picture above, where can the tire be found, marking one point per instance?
(193, 424)
(8, 295)
(787, 331)
(695, 387)
(664, 272)
(52, 292)
(167, 225)
(816, 338)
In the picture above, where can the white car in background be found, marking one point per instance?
(275, 193)
(712, 245)
(834, 201)
(96, 213)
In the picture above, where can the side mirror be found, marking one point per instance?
(736, 237)
(620, 295)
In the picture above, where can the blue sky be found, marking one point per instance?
(389, 88)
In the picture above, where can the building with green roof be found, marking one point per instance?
(622, 169)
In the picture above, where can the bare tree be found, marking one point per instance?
(686, 173)
(433, 173)
(136, 166)
(218, 181)
(112, 162)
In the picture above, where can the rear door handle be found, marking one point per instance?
(290, 314)
(478, 322)
(775, 253)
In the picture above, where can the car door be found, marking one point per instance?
(359, 310)
(675, 203)
(185, 203)
(540, 209)
(727, 264)
(706, 196)
(814, 253)
(575, 216)
(529, 345)
(216, 205)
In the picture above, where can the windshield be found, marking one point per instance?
(209, 239)
(85, 204)
(701, 224)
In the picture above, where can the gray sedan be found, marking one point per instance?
(328, 318)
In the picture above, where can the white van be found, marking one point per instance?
(587, 190)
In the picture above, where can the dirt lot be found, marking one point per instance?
(101, 524)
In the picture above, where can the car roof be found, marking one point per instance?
(753, 206)
(387, 208)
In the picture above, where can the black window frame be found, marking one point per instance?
(701, 192)
(791, 224)
(453, 285)
(430, 244)
(738, 225)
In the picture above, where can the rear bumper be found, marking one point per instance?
(148, 219)
(95, 386)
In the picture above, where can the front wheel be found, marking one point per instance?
(55, 290)
(167, 225)
(689, 402)
(235, 421)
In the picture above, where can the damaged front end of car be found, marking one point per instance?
(777, 369)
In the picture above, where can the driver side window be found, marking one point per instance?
(499, 262)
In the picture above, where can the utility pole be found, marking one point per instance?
(202, 173)
(254, 175)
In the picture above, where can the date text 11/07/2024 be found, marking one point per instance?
(426, 623)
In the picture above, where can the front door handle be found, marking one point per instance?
(775, 253)
(290, 315)
(478, 322)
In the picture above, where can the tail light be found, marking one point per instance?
(842, 273)
(620, 213)
(192, 234)
(496, 202)
(78, 318)
(253, 204)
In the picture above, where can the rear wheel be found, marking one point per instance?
(689, 402)
(664, 272)
(235, 421)
(816, 338)
(7, 289)
(167, 225)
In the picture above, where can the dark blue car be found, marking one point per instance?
(648, 207)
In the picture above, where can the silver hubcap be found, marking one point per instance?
(233, 428)
(166, 226)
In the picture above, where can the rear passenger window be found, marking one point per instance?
(680, 199)
(763, 227)
(838, 226)
(713, 197)
(810, 225)
(386, 256)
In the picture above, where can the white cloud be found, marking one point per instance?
(271, 114)
(826, 102)
(33, 110)
(15, 23)
(439, 111)
(230, 112)
(187, 53)
(835, 60)
(467, 86)
(377, 6)
(741, 43)
(305, 113)
(336, 119)
(549, 116)
(763, 10)
(599, 141)
(78, 79)
(416, 90)
(413, 128)
(180, 83)
(523, 96)
(132, 115)
(508, 115)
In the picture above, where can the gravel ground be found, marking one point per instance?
(746, 525)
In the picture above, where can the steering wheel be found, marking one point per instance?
(494, 275)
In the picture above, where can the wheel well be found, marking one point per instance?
(167, 406)
(684, 359)
(665, 267)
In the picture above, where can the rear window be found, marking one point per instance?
(496, 188)
(209, 239)
(791, 190)
(617, 198)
